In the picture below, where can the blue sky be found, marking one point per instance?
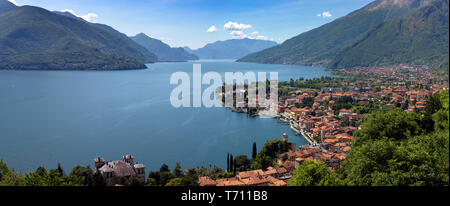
(186, 22)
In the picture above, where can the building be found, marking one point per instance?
(291, 145)
(115, 171)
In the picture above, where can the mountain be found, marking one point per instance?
(321, 45)
(420, 38)
(6, 6)
(34, 38)
(68, 14)
(163, 51)
(231, 49)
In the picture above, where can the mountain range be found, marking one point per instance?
(231, 49)
(420, 38)
(34, 38)
(163, 51)
(383, 32)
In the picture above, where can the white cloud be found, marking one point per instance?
(90, 17)
(238, 34)
(242, 35)
(237, 31)
(234, 26)
(212, 29)
(14, 2)
(325, 14)
(259, 37)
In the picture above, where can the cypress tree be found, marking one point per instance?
(234, 167)
(228, 162)
(254, 152)
(231, 162)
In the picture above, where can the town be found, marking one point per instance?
(327, 111)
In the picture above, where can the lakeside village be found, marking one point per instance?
(327, 111)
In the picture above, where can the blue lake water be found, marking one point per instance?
(71, 117)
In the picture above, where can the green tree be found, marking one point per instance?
(43, 178)
(175, 182)
(392, 149)
(242, 163)
(9, 177)
(432, 106)
(231, 162)
(311, 173)
(164, 168)
(151, 182)
(254, 151)
(133, 181)
(395, 124)
(268, 154)
(84, 174)
(262, 162)
(3, 169)
(177, 172)
(156, 176)
(99, 179)
(441, 117)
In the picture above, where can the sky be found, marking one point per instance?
(195, 23)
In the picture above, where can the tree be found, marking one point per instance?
(60, 169)
(308, 101)
(254, 151)
(164, 168)
(175, 182)
(242, 163)
(231, 163)
(165, 178)
(84, 173)
(262, 162)
(43, 178)
(151, 182)
(311, 173)
(3, 169)
(393, 149)
(441, 117)
(99, 180)
(234, 167)
(156, 176)
(268, 154)
(395, 124)
(416, 161)
(228, 162)
(9, 177)
(432, 106)
(133, 181)
(177, 172)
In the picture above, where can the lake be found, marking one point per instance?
(71, 117)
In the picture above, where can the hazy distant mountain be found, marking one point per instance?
(321, 45)
(420, 38)
(34, 38)
(163, 51)
(231, 49)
